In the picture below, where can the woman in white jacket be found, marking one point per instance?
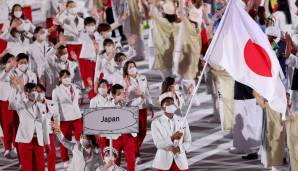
(67, 96)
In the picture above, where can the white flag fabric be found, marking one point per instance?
(243, 50)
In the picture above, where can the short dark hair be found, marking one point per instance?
(89, 20)
(118, 56)
(63, 72)
(22, 56)
(103, 27)
(103, 81)
(166, 84)
(5, 58)
(165, 99)
(115, 88)
(69, 2)
(108, 42)
(29, 87)
(37, 29)
(41, 87)
(61, 47)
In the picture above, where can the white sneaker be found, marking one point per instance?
(65, 165)
(138, 160)
(6, 153)
(196, 102)
(276, 168)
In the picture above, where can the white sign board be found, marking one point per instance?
(111, 120)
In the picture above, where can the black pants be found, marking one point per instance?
(111, 20)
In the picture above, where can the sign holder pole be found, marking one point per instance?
(111, 146)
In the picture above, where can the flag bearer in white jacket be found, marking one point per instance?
(171, 137)
(67, 96)
(136, 86)
(32, 132)
(51, 114)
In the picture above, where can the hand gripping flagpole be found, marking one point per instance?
(207, 56)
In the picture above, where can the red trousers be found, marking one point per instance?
(32, 156)
(54, 35)
(102, 143)
(87, 69)
(66, 128)
(127, 143)
(3, 45)
(27, 10)
(52, 154)
(9, 121)
(142, 129)
(174, 167)
(74, 47)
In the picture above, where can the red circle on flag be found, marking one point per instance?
(257, 59)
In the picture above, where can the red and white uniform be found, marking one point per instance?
(162, 130)
(67, 99)
(32, 132)
(73, 25)
(87, 59)
(9, 119)
(52, 114)
(53, 69)
(101, 101)
(131, 84)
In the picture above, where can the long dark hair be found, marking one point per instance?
(283, 5)
(166, 84)
(125, 68)
(12, 12)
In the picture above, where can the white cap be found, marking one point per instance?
(273, 31)
(164, 96)
(169, 7)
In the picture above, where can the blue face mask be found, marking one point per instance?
(218, 6)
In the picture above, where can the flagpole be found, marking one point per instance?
(209, 51)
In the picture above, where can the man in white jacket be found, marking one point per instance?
(32, 132)
(171, 137)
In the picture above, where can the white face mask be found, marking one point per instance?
(170, 109)
(23, 67)
(64, 58)
(90, 29)
(109, 49)
(34, 96)
(41, 97)
(18, 14)
(132, 71)
(66, 81)
(102, 91)
(43, 37)
(72, 11)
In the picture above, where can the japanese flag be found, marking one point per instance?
(243, 50)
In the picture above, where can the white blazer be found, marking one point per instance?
(54, 67)
(141, 82)
(161, 134)
(68, 104)
(71, 29)
(100, 101)
(88, 49)
(5, 87)
(31, 120)
(51, 111)
(37, 53)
